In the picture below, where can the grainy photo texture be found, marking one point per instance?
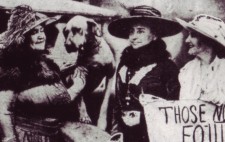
(112, 71)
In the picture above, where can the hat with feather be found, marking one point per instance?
(22, 20)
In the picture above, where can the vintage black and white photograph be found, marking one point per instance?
(112, 71)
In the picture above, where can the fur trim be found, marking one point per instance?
(148, 54)
(9, 78)
(26, 70)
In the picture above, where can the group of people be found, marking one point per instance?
(145, 66)
(30, 80)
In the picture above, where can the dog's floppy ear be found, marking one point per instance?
(94, 28)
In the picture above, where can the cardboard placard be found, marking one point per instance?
(185, 121)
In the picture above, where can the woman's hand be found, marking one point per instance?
(131, 118)
(117, 137)
(149, 98)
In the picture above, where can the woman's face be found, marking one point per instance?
(38, 38)
(140, 35)
(194, 44)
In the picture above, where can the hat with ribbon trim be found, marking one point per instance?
(144, 14)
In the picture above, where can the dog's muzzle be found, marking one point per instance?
(71, 48)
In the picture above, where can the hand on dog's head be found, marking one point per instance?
(80, 31)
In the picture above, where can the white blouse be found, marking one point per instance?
(203, 82)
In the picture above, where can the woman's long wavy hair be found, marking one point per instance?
(218, 49)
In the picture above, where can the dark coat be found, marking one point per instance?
(161, 81)
(23, 70)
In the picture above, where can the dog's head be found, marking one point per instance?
(77, 32)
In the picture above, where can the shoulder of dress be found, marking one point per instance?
(191, 63)
(50, 64)
(222, 60)
(9, 77)
(220, 64)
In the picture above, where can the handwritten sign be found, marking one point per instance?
(185, 121)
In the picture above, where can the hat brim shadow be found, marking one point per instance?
(162, 27)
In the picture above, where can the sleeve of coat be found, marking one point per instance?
(116, 117)
(171, 80)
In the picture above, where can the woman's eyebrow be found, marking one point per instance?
(34, 31)
(140, 28)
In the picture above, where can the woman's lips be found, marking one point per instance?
(39, 42)
(190, 45)
(135, 43)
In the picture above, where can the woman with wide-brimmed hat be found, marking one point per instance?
(203, 77)
(27, 76)
(144, 68)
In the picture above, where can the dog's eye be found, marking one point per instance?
(65, 32)
(80, 32)
(76, 30)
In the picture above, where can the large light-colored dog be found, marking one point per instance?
(95, 61)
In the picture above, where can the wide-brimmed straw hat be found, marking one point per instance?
(22, 20)
(208, 26)
(149, 15)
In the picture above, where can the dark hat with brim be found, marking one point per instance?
(148, 15)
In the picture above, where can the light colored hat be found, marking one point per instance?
(209, 26)
(22, 20)
(149, 15)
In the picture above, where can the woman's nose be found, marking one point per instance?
(41, 35)
(133, 36)
(188, 39)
